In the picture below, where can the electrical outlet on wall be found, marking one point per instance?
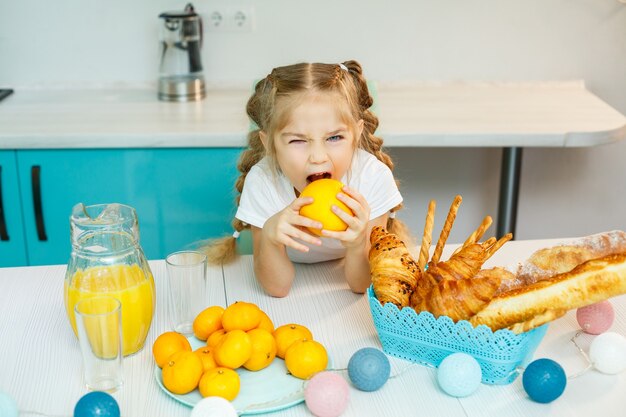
(229, 18)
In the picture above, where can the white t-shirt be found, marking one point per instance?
(265, 193)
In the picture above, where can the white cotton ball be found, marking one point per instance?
(213, 407)
(608, 353)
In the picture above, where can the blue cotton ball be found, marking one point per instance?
(544, 380)
(369, 369)
(8, 407)
(459, 374)
(97, 404)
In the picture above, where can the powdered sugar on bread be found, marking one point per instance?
(548, 262)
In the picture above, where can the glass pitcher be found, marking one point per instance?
(107, 260)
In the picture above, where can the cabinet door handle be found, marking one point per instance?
(35, 176)
(4, 234)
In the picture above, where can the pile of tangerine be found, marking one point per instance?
(242, 335)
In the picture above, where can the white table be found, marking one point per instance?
(462, 114)
(42, 364)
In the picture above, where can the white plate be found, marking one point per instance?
(270, 389)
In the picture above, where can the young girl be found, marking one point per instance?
(313, 122)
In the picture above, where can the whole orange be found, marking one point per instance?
(233, 350)
(305, 358)
(182, 372)
(241, 316)
(167, 344)
(324, 193)
(266, 323)
(205, 353)
(215, 337)
(220, 382)
(287, 334)
(263, 350)
(208, 321)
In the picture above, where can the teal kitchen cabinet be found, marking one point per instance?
(181, 195)
(12, 243)
(195, 191)
(53, 181)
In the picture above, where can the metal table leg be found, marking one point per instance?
(509, 190)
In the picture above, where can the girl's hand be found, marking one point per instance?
(287, 225)
(355, 235)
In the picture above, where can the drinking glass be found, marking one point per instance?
(99, 327)
(186, 273)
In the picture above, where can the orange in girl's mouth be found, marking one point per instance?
(324, 192)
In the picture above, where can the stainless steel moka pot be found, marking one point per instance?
(180, 75)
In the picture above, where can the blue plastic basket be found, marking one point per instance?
(424, 339)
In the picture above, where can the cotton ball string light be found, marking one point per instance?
(369, 369)
(97, 404)
(544, 380)
(213, 407)
(459, 374)
(596, 318)
(326, 394)
(8, 406)
(608, 353)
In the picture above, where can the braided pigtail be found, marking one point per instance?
(224, 250)
(374, 144)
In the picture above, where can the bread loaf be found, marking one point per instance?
(530, 306)
(548, 262)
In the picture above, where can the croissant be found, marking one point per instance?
(394, 271)
(466, 263)
(458, 299)
(456, 288)
(452, 288)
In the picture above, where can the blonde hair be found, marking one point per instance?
(268, 108)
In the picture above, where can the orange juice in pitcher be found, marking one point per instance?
(107, 260)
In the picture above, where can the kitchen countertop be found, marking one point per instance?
(461, 114)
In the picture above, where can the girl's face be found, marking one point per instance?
(316, 142)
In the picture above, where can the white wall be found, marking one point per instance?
(563, 191)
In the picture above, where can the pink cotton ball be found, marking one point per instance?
(326, 394)
(596, 318)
